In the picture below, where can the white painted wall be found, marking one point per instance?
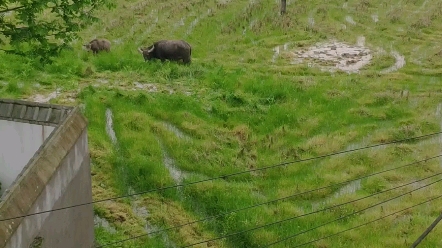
(18, 144)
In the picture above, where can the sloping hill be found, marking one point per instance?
(262, 90)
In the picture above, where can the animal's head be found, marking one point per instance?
(146, 52)
(87, 47)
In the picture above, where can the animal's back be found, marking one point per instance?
(101, 44)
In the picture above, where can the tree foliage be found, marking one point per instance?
(42, 28)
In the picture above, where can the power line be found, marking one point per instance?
(280, 199)
(343, 217)
(366, 223)
(224, 176)
(292, 218)
(427, 231)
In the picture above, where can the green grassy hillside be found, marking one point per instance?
(256, 95)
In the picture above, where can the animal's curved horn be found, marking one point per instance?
(151, 50)
(140, 50)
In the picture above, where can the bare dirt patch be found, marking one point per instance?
(334, 55)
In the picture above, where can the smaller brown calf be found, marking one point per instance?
(97, 45)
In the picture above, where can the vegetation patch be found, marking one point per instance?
(264, 92)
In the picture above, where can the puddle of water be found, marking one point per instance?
(192, 25)
(400, 62)
(422, 6)
(347, 189)
(176, 174)
(276, 50)
(363, 144)
(143, 213)
(345, 57)
(428, 141)
(45, 98)
(432, 141)
(176, 131)
(354, 186)
(101, 222)
(361, 41)
(311, 21)
(140, 211)
(196, 21)
(117, 41)
(252, 23)
(109, 126)
(102, 81)
(350, 188)
(153, 16)
(179, 23)
(275, 54)
(142, 86)
(350, 20)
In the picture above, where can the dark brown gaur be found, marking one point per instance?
(97, 45)
(173, 50)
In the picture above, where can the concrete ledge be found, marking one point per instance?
(37, 173)
(33, 113)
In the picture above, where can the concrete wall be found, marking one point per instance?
(70, 185)
(18, 144)
(57, 176)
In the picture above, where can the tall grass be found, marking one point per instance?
(241, 111)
